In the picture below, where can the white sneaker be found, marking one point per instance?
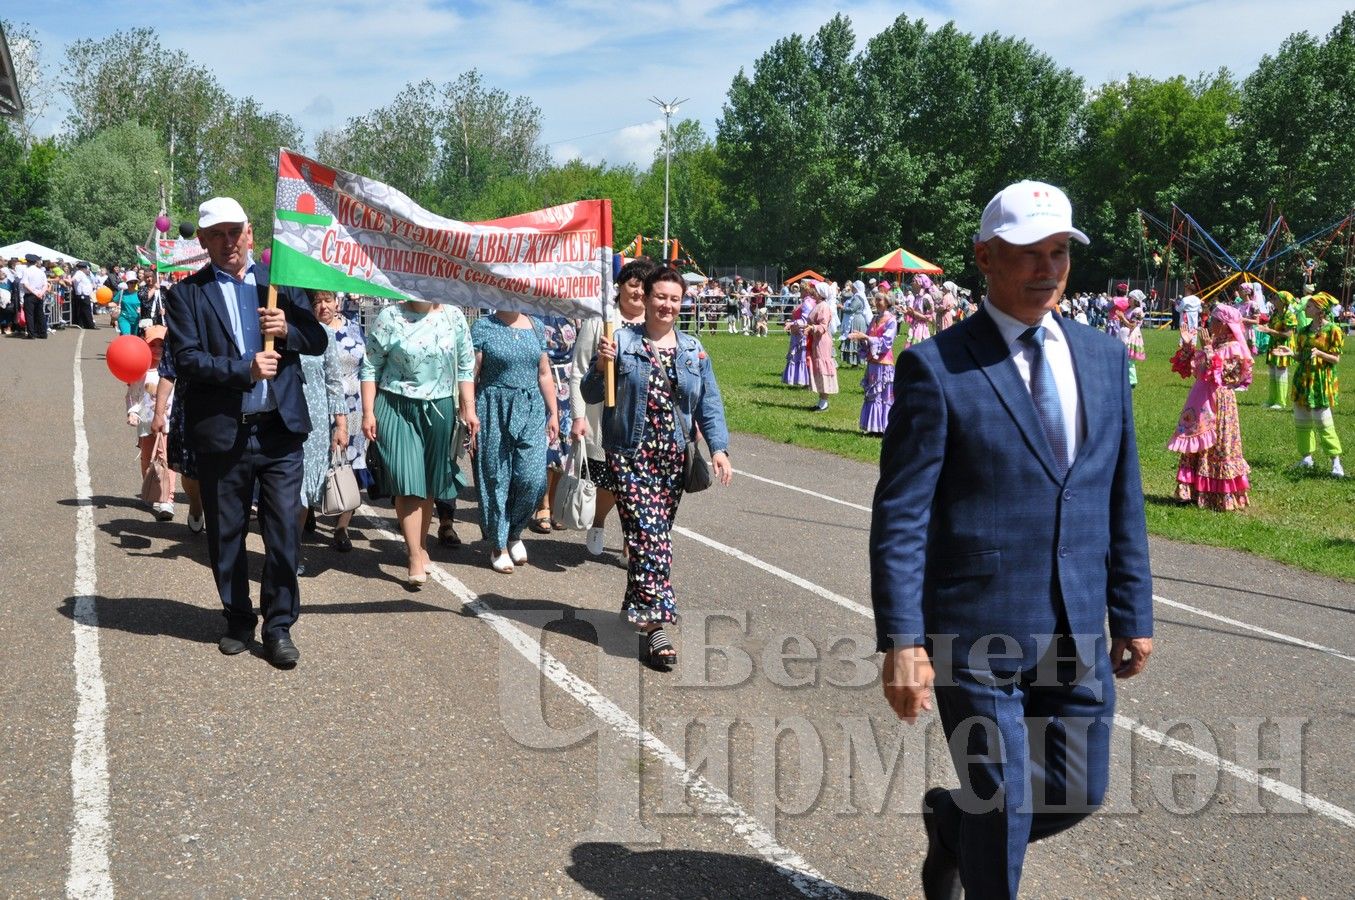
(517, 552)
(197, 524)
(500, 562)
(163, 511)
(1306, 462)
(1336, 469)
(594, 540)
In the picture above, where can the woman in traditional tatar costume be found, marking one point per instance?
(819, 347)
(1212, 472)
(1316, 387)
(1281, 329)
(878, 340)
(921, 311)
(855, 307)
(797, 372)
(950, 301)
(1132, 335)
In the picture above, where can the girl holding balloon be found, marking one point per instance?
(141, 403)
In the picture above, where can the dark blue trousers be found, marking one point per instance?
(269, 455)
(1032, 749)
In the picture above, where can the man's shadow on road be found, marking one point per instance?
(155, 616)
(611, 870)
(166, 617)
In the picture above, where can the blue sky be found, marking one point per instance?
(592, 69)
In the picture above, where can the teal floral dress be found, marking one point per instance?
(510, 460)
(648, 487)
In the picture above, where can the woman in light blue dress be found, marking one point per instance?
(853, 320)
(516, 399)
(322, 385)
(349, 349)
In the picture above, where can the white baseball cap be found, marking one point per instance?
(220, 209)
(1027, 212)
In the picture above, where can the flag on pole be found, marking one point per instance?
(334, 230)
(143, 256)
(179, 255)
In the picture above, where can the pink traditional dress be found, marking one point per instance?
(822, 367)
(1212, 472)
(879, 380)
(946, 316)
(1132, 335)
(920, 312)
(797, 370)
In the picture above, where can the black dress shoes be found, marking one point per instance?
(235, 640)
(282, 652)
(940, 870)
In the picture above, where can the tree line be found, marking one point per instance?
(826, 154)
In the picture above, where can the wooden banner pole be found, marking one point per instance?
(609, 331)
(272, 304)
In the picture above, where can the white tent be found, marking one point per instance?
(23, 248)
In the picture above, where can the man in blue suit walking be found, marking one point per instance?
(245, 417)
(1008, 527)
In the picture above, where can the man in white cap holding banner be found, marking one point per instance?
(1005, 533)
(236, 349)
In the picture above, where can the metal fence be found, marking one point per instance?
(749, 273)
(1174, 288)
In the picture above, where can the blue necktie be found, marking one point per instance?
(247, 308)
(1046, 396)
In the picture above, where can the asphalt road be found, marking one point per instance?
(494, 736)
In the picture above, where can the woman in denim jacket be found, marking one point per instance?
(664, 383)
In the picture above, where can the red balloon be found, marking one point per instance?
(162, 223)
(128, 358)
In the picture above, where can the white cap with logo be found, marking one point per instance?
(220, 209)
(1028, 212)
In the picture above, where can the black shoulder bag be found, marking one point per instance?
(697, 475)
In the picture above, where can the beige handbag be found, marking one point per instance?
(155, 487)
(341, 488)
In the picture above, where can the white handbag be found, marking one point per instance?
(341, 488)
(575, 494)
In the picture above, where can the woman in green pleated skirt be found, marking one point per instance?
(417, 376)
(417, 438)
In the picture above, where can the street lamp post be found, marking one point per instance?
(669, 108)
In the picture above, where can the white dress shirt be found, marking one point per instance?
(35, 281)
(1060, 360)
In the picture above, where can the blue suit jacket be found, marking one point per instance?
(209, 362)
(975, 534)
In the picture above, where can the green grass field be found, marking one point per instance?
(1304, 520)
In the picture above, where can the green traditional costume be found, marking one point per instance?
(1316, 387)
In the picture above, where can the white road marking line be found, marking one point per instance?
(795, 868)
(90, 833)
(1279, 788)
(1175, 604)
(791, 487)
(844, 602)
(1286, 638)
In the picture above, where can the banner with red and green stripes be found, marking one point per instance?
(179, 255)
(334, 230)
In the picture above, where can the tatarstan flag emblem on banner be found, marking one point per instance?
(334, 230)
